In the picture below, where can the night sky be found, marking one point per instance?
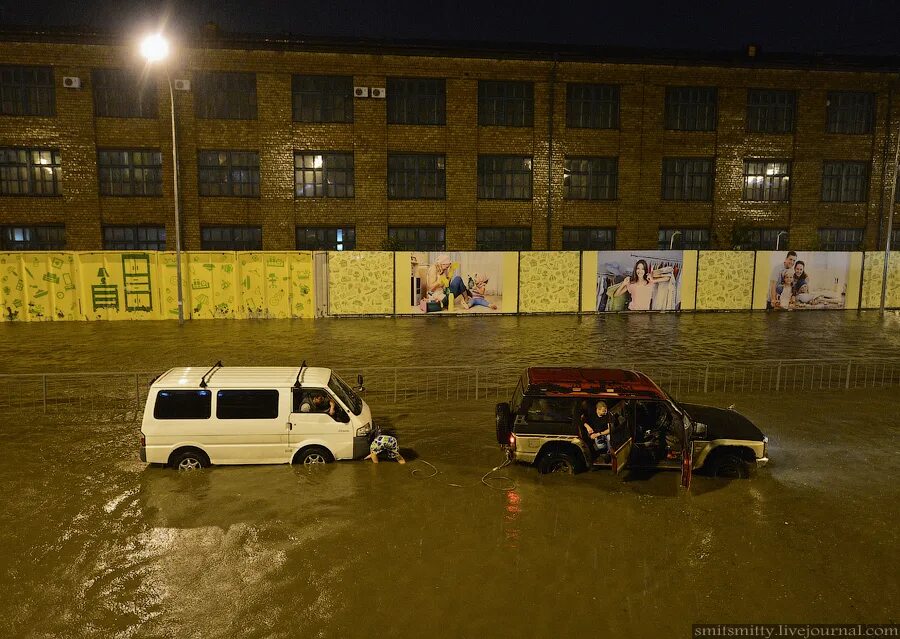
(830, 26)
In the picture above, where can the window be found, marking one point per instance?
(589, 239)
(417, 177)
(416, 101)
(247, 404)
(850, 112)
(225, 95)
(323, 174)
(840, 239)
(27, 91)
(592, 106)
(756, 239)
(183, 404)
(502, 177)
(120, 94)
(685, 239)
(326, 238)
(503, 239)
(321, 98)
(845, 181)
(231, 238)
(134, 238)
(591, 178)
(33, 238)
(550, 409)
(770, 111)
(30, 171)
(136, 172)
(228, 173)
(505, 103)
(895, 238)
(417, 238)
(687, 179)
(767, 180)
(691, 108)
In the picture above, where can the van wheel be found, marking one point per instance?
(190, 459)
(558, 461)
(728, 465)
(313, 455)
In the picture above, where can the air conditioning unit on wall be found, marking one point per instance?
(71, 82)
(378, 92)
(361, 92)
(182, 85)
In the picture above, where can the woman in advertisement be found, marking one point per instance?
(641, 286)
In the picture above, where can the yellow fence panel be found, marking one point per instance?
(302, 300)
(213, 290)
(38, 286)
(873, 272)
(360, 282)
(118, 285)
(725, 280)
(549, 281)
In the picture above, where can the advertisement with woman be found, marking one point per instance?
(455, 282)
(639, 280)
(808, 280)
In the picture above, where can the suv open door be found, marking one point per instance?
(687, 450)
(621, 439)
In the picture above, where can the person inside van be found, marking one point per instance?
(317, 402)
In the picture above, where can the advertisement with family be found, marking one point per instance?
(808, 280)
(639, 280)
(455, 282)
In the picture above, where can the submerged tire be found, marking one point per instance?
(503, 427)
(189, 459)
(728, 465)
(313, 455)
(559, 461)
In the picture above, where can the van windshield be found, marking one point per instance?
(346, 394)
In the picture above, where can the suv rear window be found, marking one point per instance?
(183, 404)
(247, 404)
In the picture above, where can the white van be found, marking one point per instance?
(253, 415)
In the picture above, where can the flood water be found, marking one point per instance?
(93, 543)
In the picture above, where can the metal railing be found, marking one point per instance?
(119, 395)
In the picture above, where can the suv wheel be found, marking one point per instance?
(502, 419)
(728, 465)
(558, 461)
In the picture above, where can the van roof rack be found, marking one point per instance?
(297, 383)
(204, 380)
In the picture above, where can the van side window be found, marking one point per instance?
(247, 404)
(183, 404)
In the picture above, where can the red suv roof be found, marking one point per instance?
(602, 380)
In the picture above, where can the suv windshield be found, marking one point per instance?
(346, 394)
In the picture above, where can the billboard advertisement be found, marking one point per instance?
(805, 280)
(639, 280)
(457, 282)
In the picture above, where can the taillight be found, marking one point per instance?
(512, 440)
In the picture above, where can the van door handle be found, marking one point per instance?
(290, 426)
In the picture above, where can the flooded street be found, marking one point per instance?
(97, 544)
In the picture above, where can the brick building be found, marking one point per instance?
(295, 144)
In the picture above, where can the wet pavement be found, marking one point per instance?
(96, 544)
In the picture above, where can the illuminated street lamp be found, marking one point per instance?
(672, 239)
(778, 238)
(155, 48)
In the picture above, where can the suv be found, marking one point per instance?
(543, 424)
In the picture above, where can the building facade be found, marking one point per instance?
(286, 145)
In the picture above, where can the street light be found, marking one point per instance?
(890, 219)
(778, 238)
(672, 239)
(155, 48)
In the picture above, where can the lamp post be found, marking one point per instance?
(672, 239)
(155, 48)
(890, 225)
(778, 238)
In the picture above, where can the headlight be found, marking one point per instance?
(364, 430)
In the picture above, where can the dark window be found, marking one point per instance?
(33, 238)
(27, 91)
(183, 404)
(30, 171)
(767, 180)
(321, 98)
(687, 179)
(417, 177)
(231, 238)
(247, 404)
(225, 95)
(549, 409)
(845, 181)
(134, 238)
(135, 172)
(592, 106)
(691, 108)
(417, 238)
(757, 239)
(326, 238)
(591, 178)
(228, 173)
(850, 112)
(323, 174)
(505, 103)
(840, 239)
(770, 111)
(416, 101)
(502, 177)
(503, 239)
(686, 239)
(895, 238)
(121, 94)
(589, 239)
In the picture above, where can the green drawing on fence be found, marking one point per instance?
(227, 268)
(199, 285)
(209, 267)
(56, 262)
(138, 285)
(246, 282)
(41, 293)
(104, 295)
(67, 281)
(51, 277)
(275, 261)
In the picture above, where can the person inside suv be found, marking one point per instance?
(596, 422)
